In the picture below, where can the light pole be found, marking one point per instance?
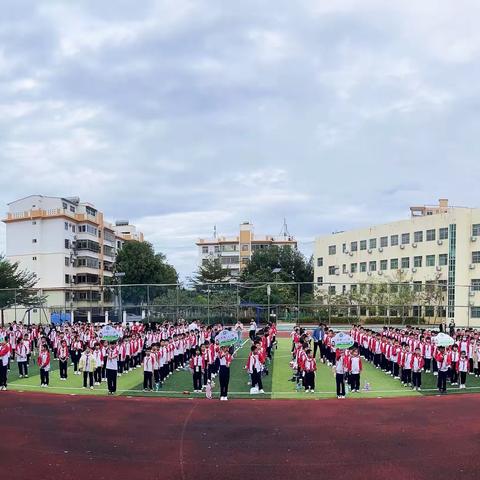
(119, 276)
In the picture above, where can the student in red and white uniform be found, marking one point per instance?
(254, 368)
(44, 364)
(4, 359)
(354, 367)
(309, 369)
(462, 368)
(454, 358)
(443, 360)
(76, 353)
(225, 360)
(339, 370)
(112, 368)
(148, 371)
(197, 364)
(62, 355)
(406, 359)
(418, 363)
(98, 355)
(21, 355)
(427, 352)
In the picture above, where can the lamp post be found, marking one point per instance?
(119, 276)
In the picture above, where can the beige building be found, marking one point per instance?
(437, 246)
(69, 246)
(234, 252)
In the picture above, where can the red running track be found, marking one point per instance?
(73, 437)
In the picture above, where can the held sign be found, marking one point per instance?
(443, 340)
(226, 338)
(109, 334)
(342, 341)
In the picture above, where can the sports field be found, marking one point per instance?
(277, 384)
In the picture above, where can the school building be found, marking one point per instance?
(69, 246)
(437, 246)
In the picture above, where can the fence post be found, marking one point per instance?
(298, 303)
(238, 304)
(208, 305)
(178, 300)
(15, 303)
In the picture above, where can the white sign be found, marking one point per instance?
(342, 341)
(443, 340)
(109, 334)
(226, 338)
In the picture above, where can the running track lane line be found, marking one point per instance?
(182, 438)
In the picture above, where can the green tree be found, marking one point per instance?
(142, 266)
(211, 271)
(19, 283)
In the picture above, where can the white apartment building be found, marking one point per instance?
(67, 244)
(235, 251)
(437, 245)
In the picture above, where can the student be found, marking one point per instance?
(462, 368)
(112, 368)
(4, 359)
(44, 364)
(62, 355)
(197, 364)
(239, 331)
(77, 348)
(254, 369)
(21, 354)
(406, 364)
(443, 361)
(87, 364)
(355, 369)
(309, 369)
(417, 366)
(339, 371)
(225, 359)
(148, 371)
(455, 357)
(252, 331)
(156, 366)
(97, 374)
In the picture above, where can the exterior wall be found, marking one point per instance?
(465, 271)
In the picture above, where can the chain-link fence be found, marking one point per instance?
(336, 303)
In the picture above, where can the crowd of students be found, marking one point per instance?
(403, 354)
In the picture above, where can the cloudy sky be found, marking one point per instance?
(183, 114)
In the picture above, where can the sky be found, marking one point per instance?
(184, 114)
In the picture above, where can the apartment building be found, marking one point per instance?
(437, 245)
(68, 245)
(234, 252)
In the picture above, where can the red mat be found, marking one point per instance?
(65, 437)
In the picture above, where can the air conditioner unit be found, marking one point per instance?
(380, 272)
(351, 254)
(402, 247)
(472, 304)
(346, 251)
(471, 293)
(414, 269)
(472, 266)
(350, 275)
(439, 242)
(380, 249)
(369, 250)
(369, 274)
(439, 269)
(473, 239)
(414, 245)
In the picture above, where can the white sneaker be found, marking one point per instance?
(261, 391)
(91, 388)
(312, 391)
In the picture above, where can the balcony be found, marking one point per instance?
(39, 214)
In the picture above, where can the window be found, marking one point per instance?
(344, 248)
(34, 240)
(406, 262)
(67, 278)
(476, 229)
(443, 233)
(417, 286)
(87, 228)
(67, 243)
(34, 259)
(475, 257)
(204, 249)
(418, 237)
(353, 267)
(417, 261)
(90, 211)
(443, 259)
(72, 209)
(383, 264)
(88, 262)
(384, 241)
(363, 266)
(476, 284)
(353, 246)
(331, 270)
(217, 248)
(332, 249)
(405, 238)
(431, 235)
(372, 243)
(394, 264)
(66, 225)
(372, 266)
(393, 240)
(64, 205)
(320, 280)
(88, 245)
(475, 312)
(430, 260)
(363, 244)
(331, 290)
(320, 262)
(353, 288)
(73, 228)
(67, 261)
(344, 268)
